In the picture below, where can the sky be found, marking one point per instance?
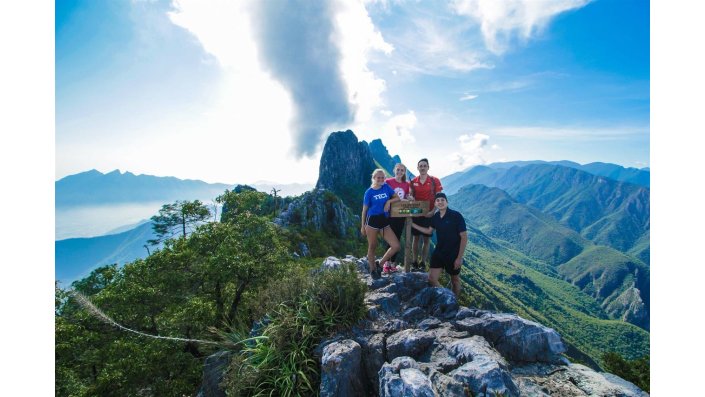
(247, 91)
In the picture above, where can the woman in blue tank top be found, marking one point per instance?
(375, 219)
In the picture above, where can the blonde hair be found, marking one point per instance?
(403, 178)
(378, 170)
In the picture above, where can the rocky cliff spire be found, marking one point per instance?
(345, 168)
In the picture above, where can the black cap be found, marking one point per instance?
(441, 195)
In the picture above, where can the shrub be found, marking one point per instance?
(280, 361)
(636, 371)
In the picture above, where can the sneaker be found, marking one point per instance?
(377, 273)
(393, 267)
(414, 266)
(422, 267)
(386, 269)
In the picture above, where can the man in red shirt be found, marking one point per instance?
(423, 188)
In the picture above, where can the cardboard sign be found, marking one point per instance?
(409, 209)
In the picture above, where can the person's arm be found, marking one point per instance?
(388, 204)
(426, 230)
(463, 242)
(362, 219)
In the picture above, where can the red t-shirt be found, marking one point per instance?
(427, 190)
(401, 189)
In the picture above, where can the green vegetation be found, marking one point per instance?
(500, 216)
(174, 219)
(208, 280)
(210, 286)
(501, 280)
(193, 297)
(636, 371)
(280, 361)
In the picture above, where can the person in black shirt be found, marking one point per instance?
(451, 237)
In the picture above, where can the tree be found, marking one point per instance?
(237, 202)
(205, 281)
(178, 217)
(636, 371)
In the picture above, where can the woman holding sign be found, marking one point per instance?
(401, 189)
(375, 218)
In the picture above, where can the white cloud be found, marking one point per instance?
(358, 38)
(252, 104)
(471, 150)
(468, 97)
(495, 147)
(501, 21)
(434, 47)
(397, 131)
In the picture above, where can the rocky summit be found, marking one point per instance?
(418, 341)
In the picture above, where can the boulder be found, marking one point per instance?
(409, 342)
(402, 377)
(341, 370)
(388, 303)
(438, 302)
(516, 338)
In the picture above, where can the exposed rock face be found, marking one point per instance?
(319, 210)
(346, 168)
(340, 359)
(417, 341)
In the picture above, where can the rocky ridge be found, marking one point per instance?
(321, 210)
(345, 168)
(418, 341)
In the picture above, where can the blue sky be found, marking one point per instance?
(246, 92)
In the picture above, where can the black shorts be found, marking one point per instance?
(421, 221)
(441, 262)
(378, 222)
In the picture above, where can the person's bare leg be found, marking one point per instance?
(433, 275)
(415, 248)
(371, 247)
(394, 246)
(426, 243)
(455, 281)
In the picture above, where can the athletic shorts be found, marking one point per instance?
(440, 262)
(378, 222)
(421, 221)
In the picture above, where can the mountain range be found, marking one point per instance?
(76, 257)
(601, 209)
(550, 241)
(94, 187)
(635, 176)
(617, 281)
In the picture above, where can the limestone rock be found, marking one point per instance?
(341, 370)
(516, 338)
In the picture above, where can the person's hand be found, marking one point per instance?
(458, 262)
(410, 197)
(362, 230)
(387, 205)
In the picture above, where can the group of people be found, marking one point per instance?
(449, 225)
